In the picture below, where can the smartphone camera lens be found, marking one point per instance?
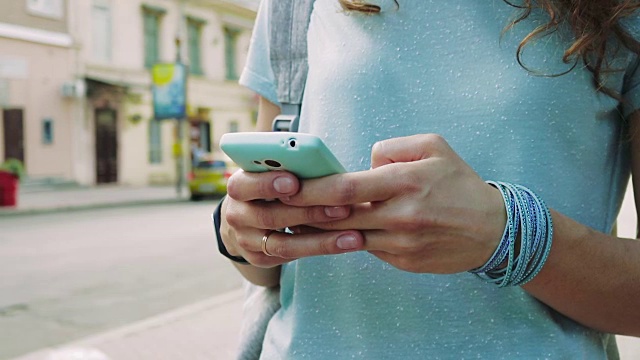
(292, 143)
(272, 163)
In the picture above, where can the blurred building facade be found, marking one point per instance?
(36, 58)
(75, 84)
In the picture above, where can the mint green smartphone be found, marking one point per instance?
(304, 155)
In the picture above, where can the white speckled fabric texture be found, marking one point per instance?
(442, 67)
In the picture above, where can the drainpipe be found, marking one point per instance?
(180, 122)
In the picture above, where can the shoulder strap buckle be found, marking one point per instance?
(288, 119)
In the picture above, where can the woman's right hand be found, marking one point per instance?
(247, 217)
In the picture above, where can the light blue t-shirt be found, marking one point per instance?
(442, 67)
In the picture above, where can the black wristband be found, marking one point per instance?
(221, 247)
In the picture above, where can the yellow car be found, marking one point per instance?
(209, 177)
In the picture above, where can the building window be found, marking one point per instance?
(155, 142)
(101, 30)
(205, 136)
(47, 131)
(151, 22)
(234, 126)
(230, 52)
(53, 9)
(194, 32)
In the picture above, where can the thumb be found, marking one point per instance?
(406, 149)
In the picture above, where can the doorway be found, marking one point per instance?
(106, 146)
(13, 125)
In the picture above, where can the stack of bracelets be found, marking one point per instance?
(528, 216)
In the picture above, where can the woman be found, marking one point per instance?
(509, 91)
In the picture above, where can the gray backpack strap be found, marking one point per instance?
(288, 46)
(289, 21)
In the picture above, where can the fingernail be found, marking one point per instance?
(283, 185)
(347, 242)
(335, 211)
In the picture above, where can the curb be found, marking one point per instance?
(90, 345)
(83, 207)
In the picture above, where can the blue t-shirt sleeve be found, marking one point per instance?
(257, 74)
(631, 88)
(631, 85)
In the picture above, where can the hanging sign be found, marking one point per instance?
(169, 91)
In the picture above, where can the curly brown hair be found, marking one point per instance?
(595, 24)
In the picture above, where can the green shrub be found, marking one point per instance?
(13, 166)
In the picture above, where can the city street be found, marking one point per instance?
(69, 275)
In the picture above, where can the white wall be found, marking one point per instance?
(38, 93)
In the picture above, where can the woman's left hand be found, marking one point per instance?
(421, 208)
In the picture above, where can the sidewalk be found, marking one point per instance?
(82, 198)
(203, 331)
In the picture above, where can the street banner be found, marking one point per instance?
(169, 91)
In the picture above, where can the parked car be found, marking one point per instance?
(209, 177)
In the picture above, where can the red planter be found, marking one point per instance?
(8, 189)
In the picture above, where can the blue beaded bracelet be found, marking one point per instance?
(508, 237)
(529, 218)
